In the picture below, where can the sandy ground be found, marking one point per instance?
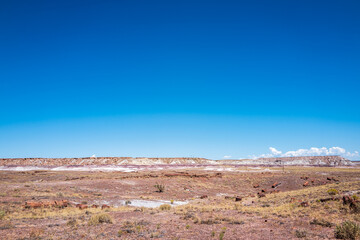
(200, 202)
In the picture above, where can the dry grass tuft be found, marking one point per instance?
(165, 207)
(99, 219)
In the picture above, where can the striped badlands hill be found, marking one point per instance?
(301, 160)
(308, 160)
(102, 161)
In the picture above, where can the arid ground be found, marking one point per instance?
(188, 203)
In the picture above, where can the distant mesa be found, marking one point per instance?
(288, 161)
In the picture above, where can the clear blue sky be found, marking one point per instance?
(178, 78)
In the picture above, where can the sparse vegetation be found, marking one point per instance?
(199, 218)
(35, 233)
(321, 222)
(59, 194)
(300, 233)
(71, 222)
(222, 233)
(332, 191)
(347, 230)
(160, 188)
(100, 218)
(165, 207)
(2, 214)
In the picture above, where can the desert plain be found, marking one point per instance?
(223, 201)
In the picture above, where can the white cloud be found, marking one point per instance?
(93, 156)
(313, 151)
(226, 156)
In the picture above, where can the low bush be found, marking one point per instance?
(36, 233)
(100, 218)
(165, 207)
(332, 191)
(321, 222)
(347, 230)
(160, 188)
(2, 214)
(300, 234)
(71, 222)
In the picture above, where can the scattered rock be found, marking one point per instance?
(260, 195)
(81, 206)
(238, 199)
(104, 206)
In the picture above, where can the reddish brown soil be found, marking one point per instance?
(139, 223)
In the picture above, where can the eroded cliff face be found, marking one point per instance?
(305, 160)
(102, 161)
(301, 160)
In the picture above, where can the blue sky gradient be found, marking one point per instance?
(178, 78)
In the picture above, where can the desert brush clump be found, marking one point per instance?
(347, 230)
(100, 218)
(2, 214)
(71, 223)
(160, 188)
(300, 234)
(165, 207)
(36, 233)
(332, 191)
(321, 222)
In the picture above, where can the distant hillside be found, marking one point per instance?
(102, 161)
(308, 160)
(302, 160)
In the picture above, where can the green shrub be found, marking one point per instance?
(222, 233)
(100, 218)
(347, 230)
(165, 207)
(332, 191)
